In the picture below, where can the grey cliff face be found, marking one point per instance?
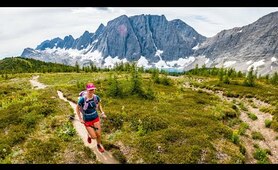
(49, 44)
(118, 39)
(253, 42)
(157, 39)
(143, 35)
(133, 37)
(27, 52)
(83, 41)
(67, 43)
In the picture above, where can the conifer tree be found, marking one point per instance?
(221, 74)
(77, 68)
(196, 70)
(136, 82)
(155, 76)
(226, 79)
(114, 89)
(267, 78)
(239, 74)
(250, 79)
(274, 79)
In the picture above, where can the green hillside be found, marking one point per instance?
(28, 65)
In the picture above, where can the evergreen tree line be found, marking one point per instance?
(27, 65)
(225, 75)
(203, 71)
(129, 66)
(14, 65)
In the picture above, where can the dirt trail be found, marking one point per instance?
(105, 157)
(37, 85)
(270, 142)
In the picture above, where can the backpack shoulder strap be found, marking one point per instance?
(82, 93)
(85, 106)
(95, 100)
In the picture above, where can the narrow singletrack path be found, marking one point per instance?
(105, 157)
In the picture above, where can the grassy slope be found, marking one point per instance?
(262, 91)
(179, 126)
(35, 127)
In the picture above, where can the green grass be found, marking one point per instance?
(194, 117)
(269, 110)
(257, 136)
(242, 106)
(252, 116)
(261, 155)
(243, 127)
(267, 123)
(263, 91)
(178, 125)
(35, 126)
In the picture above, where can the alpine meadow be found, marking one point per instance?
(216, 116)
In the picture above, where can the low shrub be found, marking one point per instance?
(261, 156)
(42, 152)
(5, 150)
(267, 123)
(257, 135)
(119, 156)
(274, 126)
(66, 132)
(235, 137)
(114, 121)
(252, 116)
(89, 153)
(153, 122)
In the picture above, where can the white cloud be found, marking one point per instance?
(27, 27)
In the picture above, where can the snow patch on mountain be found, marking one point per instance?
(181, 62)
(143, 62)
(249, 62)
(110, 62)
(158, 53)
(195, 47)
(256, 64)
(207, 61)
(161, 64)
(229, 63)
(94, 56)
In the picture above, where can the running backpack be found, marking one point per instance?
(85, 106)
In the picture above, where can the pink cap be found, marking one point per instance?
(90, 86)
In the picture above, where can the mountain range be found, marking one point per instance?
(153, 41)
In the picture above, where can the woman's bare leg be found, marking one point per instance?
(98, 132)
(91, 132)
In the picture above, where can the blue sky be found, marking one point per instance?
(23, 27)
